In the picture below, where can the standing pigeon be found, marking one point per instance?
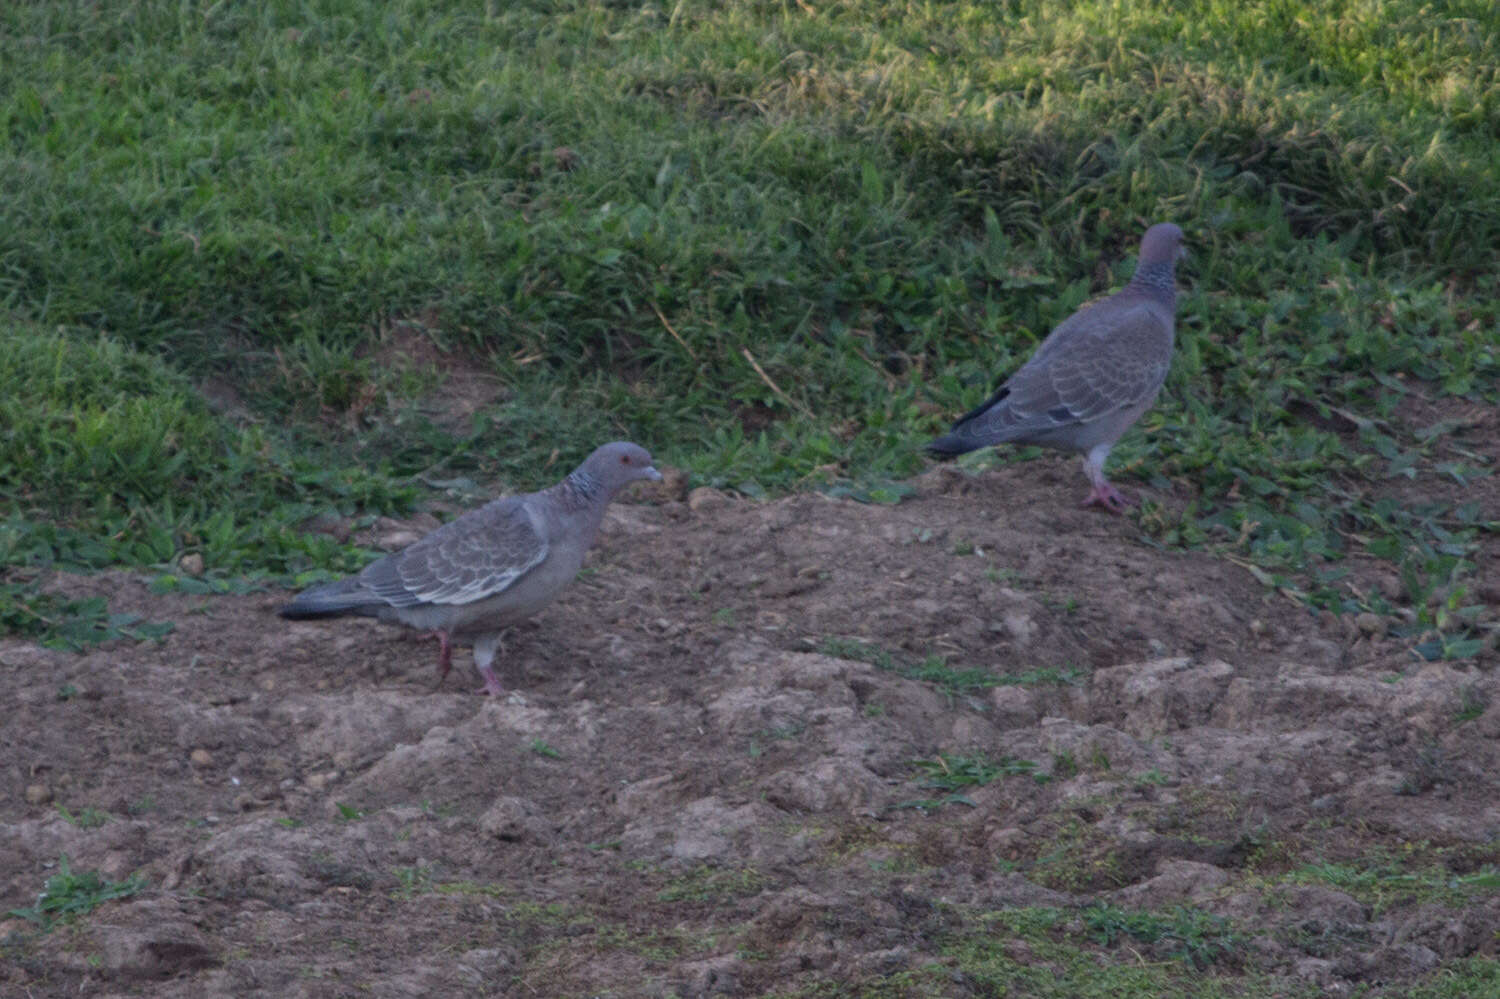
(475, 576)
(1093, 376)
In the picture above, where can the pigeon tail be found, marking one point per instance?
(333, 600)
(958, 441)
(952, 445)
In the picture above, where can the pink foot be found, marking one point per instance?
(445, 656)
(491, 683)
(1109, 497)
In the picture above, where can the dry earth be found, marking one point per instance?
(693, 797)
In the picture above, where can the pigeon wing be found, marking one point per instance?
(477, 556)
(1089, 367)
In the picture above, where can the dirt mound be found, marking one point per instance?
(758, 746)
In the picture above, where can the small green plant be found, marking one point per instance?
(1472, 704)
(956, 774)
(950, 772)
(470, 889)
(932, 669)
(1044, 676)
(542, 748)
(885, 492)
(1064, 765)
(1385, 880)
(87, 818)
(712, 884)
(1198, 938)
(348, 813)
(864, 652)
(1063, 605)
(67, 895)
(412, 881)
(60, 623)
(952, 681)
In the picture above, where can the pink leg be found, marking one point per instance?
(485, 649)
(445, 655)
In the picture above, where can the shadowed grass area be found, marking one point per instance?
(101, 434)
(780, 244)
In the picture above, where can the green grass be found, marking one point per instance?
(779, 246)
(715, 885)
(544, 749)
(1060, 959)
(60, 623)
(88, 817)
(933, 669)
(68, 895)
(952, 772)
(1386, 881)
(1189, 935)
(953, 681)
(956, 774)
(1103, 951)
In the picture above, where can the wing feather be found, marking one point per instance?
(477, 556)
(1090, 366)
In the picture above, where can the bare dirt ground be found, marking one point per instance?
(698, 793)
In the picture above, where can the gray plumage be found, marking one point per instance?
(1093, 376)
(472, 578)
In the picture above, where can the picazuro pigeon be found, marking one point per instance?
(472, 578)
(1093, 376)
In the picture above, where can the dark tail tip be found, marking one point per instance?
(948, 446)
(304, 612)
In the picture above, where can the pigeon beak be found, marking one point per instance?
(651, 473)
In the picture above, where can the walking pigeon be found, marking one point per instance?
(1093, 376)
(475, 576)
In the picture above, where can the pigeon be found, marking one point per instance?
(1093, 376)
(472, 578)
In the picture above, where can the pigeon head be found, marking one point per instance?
(1157, 265)
(1161, 243)
(617, 464)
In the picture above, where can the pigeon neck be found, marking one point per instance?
(579, 489)
(1158, 279)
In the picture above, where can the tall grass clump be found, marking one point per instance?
(109, 455)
